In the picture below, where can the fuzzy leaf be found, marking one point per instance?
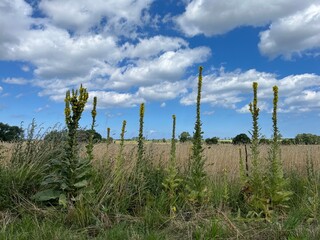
(81, 184)
(46, 195)
(63, 200)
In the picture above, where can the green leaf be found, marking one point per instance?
(81, 184)
(46, 195)
(63, 200)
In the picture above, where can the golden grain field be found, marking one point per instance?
(218, 157)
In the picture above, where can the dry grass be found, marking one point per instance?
(219, 157)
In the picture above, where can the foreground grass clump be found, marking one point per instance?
(49, 190)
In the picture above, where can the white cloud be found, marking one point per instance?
(208, 113)
(151, 47)
(231, 90)
(25, 68)
(114, 99)
(163, 91)
(101, 61)
(163, 104)
(20, 95)
(40, 109)
(169, 66)
(17, 81)
(217, 17)
(14, 18)
(293, 34)
(121, 16)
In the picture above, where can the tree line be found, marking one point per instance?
(301, 138)
(10, 133)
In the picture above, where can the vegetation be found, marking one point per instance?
(83, 136)
(57, 190)
(184, 137)
(241, 139)
(10, 133)
(213, 140)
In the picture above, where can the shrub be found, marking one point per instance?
(10, 133)
(241, 139)
(184, 137)
(211, 141)
(264, 141)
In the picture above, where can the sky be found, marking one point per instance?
(127, 52)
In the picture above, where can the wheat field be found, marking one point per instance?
(218, 157)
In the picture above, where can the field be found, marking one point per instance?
(218, 157)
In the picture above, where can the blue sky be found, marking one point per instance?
(127, 52)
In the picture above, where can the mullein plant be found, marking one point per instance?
(108, 136)
(139, 180)
(253, 190)
(277, 183)
(242, 170)
(172, 182)
(119, 165)
(255, 153)
(68, 176)
(197, 180)
(312, 202)
(140, 157)
(90, 144)
(119, 183)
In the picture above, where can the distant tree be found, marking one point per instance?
(288, 141)
(82, 135)
(56, 135)
(264, 141)
(241, 139)
(213, 140)
(10, 133)
(307, 138)
(184, 136)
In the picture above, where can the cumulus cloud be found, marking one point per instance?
(232, 89)
(14, 18)
(169, 66)
(217, 17)
(77, 43)
(163, 91)
(293, 26)
(151, 47)
(121, 16)
(115, 99)
(294, 34)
